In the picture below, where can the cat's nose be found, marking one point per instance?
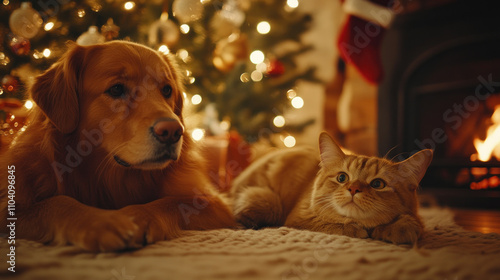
(354, 189)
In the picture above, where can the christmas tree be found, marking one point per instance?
(238, 55)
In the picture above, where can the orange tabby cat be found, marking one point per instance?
(337, 193)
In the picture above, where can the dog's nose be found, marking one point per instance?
(168, 131)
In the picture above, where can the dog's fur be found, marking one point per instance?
(89, 169)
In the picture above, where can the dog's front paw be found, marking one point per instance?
(151, 227)
(354, 230)
(108, 231)
(404, 230)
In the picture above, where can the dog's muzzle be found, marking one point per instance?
(166, 136)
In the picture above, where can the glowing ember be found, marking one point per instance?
(492, 182)
(491, 145)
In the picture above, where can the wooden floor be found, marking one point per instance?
(484, 221)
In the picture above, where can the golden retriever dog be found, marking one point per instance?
(106, 163)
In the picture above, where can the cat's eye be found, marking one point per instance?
(342, 177)
(377, 184)
(167, 91)
(116, 91)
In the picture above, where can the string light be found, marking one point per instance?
(196, 99)
(48, 26)
(184, 28)
(292, 3)
(262, 67)
(297, 102)
(129, 5)
(279, 121)
(290, 94)
(198, 134)
(6, 2)
(4, 60)
(46, 52)
(37, 54)
(183, 54)
(81, 13)
(1, 91)
(256, 76)
(225, 125)
(164, 49)
(245, 78)
(257, 57)
(28, 104)
(289, 141)
(192, 80)
(263, 27)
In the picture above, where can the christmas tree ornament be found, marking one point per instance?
(19, 45)
(110, 30)
(220, 27)
(229, 51)
(25, 21)
(90, 37)
(232, 13)
(275, 68)
(10, 83)
(163, 32)
(187, 10)
(226, 21)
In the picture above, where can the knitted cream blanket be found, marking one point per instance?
(445, 252)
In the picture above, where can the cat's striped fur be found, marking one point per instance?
(335, 193)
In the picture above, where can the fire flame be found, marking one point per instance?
(491, 145)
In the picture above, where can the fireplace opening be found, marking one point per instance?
(441, 90)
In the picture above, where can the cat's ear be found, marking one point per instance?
(330, 152)
(416, 165)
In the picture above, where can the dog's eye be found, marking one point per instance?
(117, 90)
(167, 91)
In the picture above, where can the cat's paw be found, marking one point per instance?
(246, 219)
(354, 230)
(404, 230)
(258, 207)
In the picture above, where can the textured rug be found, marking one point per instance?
(445, 252)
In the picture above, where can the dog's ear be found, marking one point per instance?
(56, 90)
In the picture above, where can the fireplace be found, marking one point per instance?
(442, 91)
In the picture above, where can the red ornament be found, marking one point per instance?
(10, 83)
(19, 45)
(275, 68)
